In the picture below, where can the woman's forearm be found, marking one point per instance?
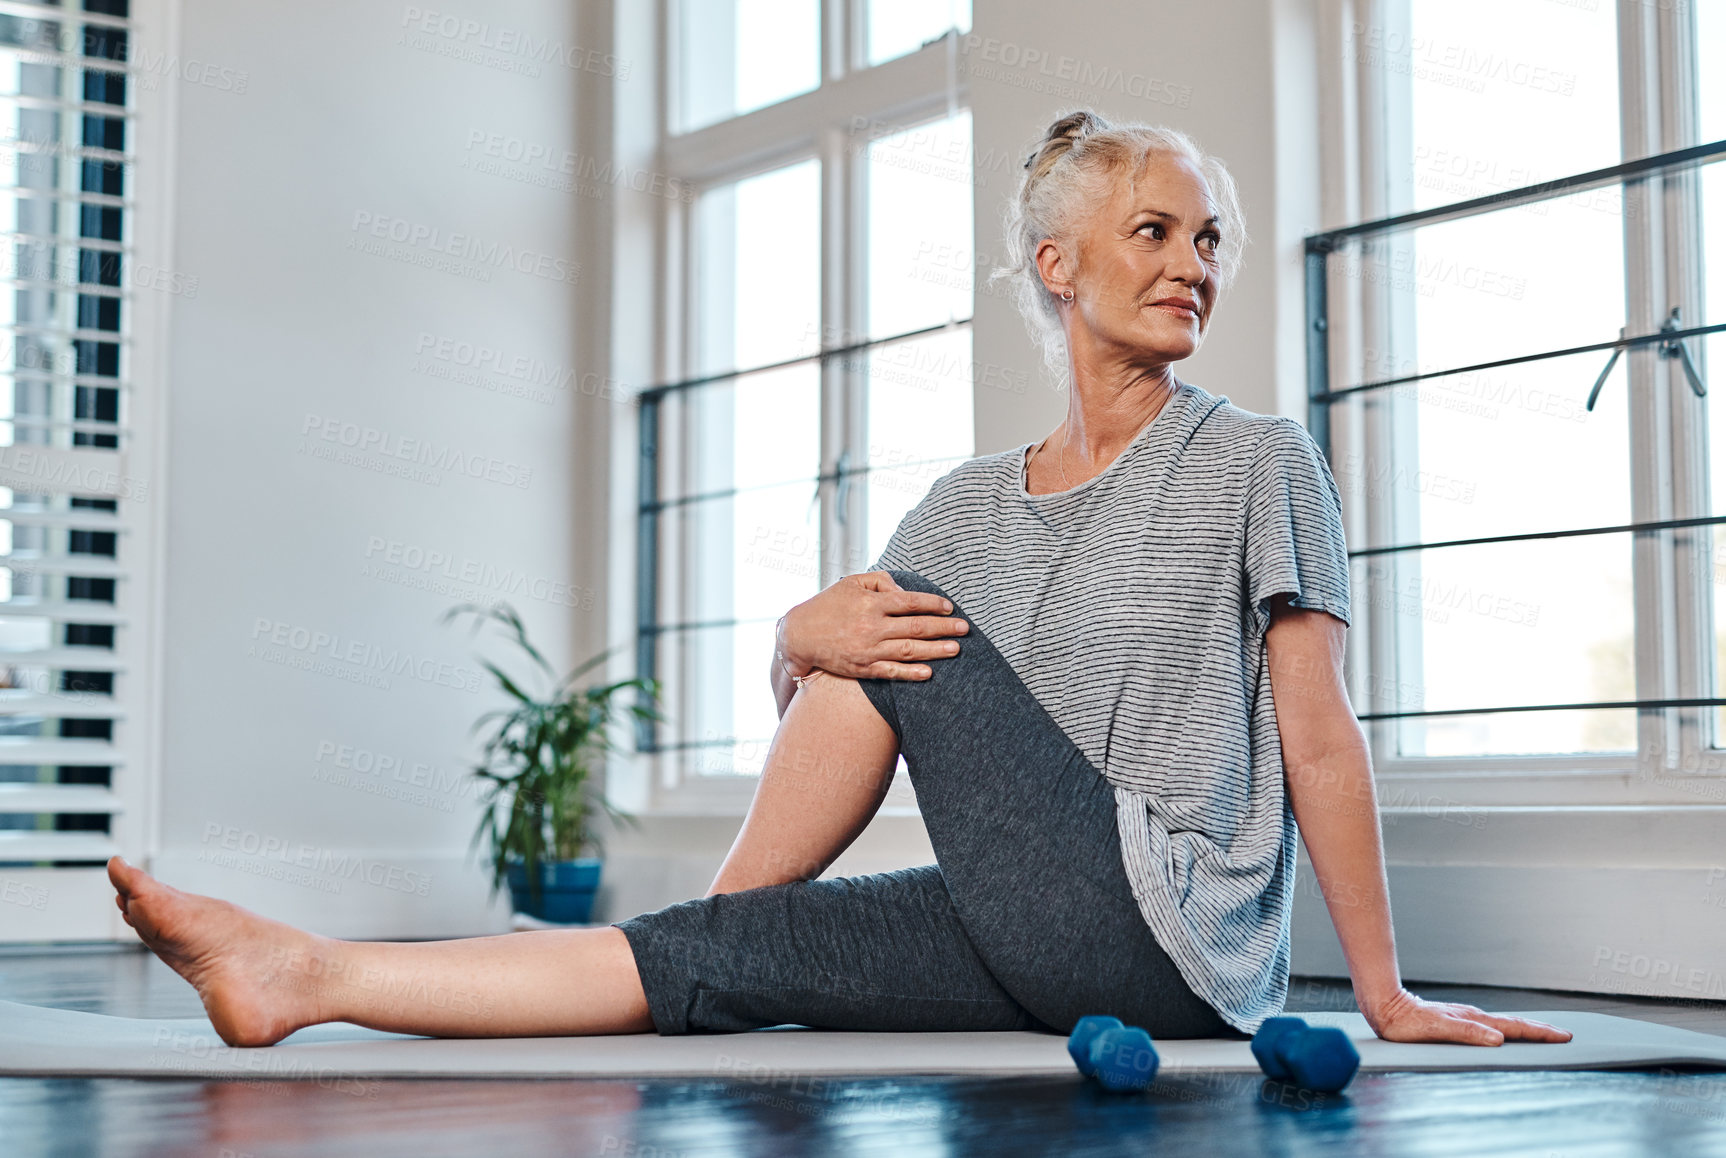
(1337, 811)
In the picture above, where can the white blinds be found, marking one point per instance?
(67, 503)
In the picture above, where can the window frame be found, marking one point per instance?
(832, 124)
(1673, 642)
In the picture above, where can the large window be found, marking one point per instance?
(1509, 364)
(819, 374)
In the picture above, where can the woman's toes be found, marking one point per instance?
(120, 875)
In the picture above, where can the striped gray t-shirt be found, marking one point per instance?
(1133, 606)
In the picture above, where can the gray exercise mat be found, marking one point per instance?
(42, 1042)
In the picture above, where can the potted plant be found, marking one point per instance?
(542, 806)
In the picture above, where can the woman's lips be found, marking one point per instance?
(1178, 310)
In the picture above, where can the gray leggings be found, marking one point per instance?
(1027, 922)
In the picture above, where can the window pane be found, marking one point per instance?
(731, 716)
(736, 56)
(751, 555)
(1711, 545)
(752, 431)
(1711, 56)
(1503, 93)
(1711, 69)
(1498, 625)
(758, 269)
(1711, 188)
(896, 27)
(747, 559)
(920, 423)
(1494, 452)
(1538, 622)
(1497, 285)
(920, 253)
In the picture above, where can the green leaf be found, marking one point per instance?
(540, 798)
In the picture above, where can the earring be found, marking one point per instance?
(1067, 295)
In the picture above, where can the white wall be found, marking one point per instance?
(352, 110)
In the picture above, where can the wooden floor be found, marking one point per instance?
(1554, 1115)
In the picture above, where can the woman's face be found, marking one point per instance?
(1146, 275)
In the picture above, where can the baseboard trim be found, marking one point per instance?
(1653, 932)
(58, 904)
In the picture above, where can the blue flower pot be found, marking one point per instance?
(566, 889)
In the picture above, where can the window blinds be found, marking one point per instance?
(66, 499)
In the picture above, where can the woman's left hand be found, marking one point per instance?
(1405, 1017)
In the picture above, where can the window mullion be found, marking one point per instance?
(837, 503)
(1687, 414)
(853, 370)
(840, 39)
(1387, 144)
(1646, 304)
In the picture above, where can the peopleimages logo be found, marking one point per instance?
(45, 469)
(312, 644)
(420, 452)
(471, 579)
(228, 839)
(431, 240)
(507, 41)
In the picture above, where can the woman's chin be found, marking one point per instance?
(1168, 335)
(1162, 346)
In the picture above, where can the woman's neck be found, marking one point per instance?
(1106, 412)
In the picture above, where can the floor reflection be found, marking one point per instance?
(1199, 1114)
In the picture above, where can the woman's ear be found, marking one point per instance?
(1054, 267)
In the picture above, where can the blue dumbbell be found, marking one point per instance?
(1084, 1033)
(1124, 1059)
(1264, 1042)
(1289, 1050)
(1321, 1059)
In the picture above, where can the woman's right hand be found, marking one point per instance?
(868, 627)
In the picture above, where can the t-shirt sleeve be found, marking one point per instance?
(908, 546)
(900, 553)
(896, 555)
(1294, 541)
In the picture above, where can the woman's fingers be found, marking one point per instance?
(1524, 1028)
(877, 581)
(887, 670)
(1431, 1025)
(912, 650)
(899, 659)
(925, 627)
(1513, 1028)
(1482, 1029)
(898, 602)
(1408, 1018)
(1471, 1032)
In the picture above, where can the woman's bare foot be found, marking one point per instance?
(250, 971)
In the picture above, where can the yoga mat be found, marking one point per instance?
(57, 1042)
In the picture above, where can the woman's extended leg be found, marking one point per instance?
(827, 770)
(261, 980)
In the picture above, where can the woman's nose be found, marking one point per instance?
(1185, 265)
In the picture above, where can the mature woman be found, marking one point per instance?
(1113, 664)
